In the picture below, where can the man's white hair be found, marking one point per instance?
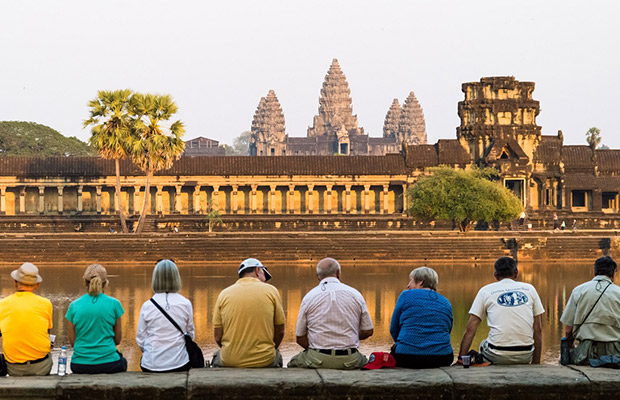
(327, 267)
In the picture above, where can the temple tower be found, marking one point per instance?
(498, 120)
(392, 120)
(412, 127)
(335, 118)
(268, 129)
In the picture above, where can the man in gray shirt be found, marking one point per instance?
(591, 315)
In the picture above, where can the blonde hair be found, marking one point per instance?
(427, 276)
(97, 278)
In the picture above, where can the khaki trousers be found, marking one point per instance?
(277, 362)
(312, 358)
(505, 357)
(41, 368)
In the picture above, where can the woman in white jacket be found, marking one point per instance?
(162, 344)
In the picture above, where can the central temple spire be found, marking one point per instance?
(335, 116)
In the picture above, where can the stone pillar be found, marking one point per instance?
(177, 199)
(272, 199)
(253, 205)
(159, 204)
(235, 200)
(328, 198)
(98, 188)
(22, 200)
(216, 198)
(386, 202)
(136, 199)
(2, 200)
(310, 199)
(347, 201)
(196, 199)
(291, 199)
(60, 199)
(80, 200)
(366, 199)
(404, 198)
(41, 208)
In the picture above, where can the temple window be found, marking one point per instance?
(610, 202)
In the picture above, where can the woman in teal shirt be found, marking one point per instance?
(95, 327)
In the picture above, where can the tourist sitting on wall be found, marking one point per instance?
(513, 311)
(421, 323)
(95, 327)
(162, 344)
(25, 321)
(333, 318)
(248, 320)
(591, 315)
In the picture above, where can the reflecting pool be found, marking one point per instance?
(379, 283)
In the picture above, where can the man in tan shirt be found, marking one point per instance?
(248, 320)
(591, 314)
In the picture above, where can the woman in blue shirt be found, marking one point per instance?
(421, 323)
(95, 327)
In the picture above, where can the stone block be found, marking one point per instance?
(246, 384)
(604, 382)
(28, 387)
(388, 384)
(127, 385)
(514, 382)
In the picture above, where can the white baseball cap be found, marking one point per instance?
(253, 263)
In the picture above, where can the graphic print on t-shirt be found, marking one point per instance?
(512, 299)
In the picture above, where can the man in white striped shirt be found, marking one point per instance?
(333, 318)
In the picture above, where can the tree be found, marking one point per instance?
(240, 145)
(214, 217)
(111, 133)
(462, 196)
(603, 147)
(21, 138)
(157, 144)
(593, 136)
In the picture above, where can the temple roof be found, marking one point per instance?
(444, 152)
(88, 167)
(548, 150)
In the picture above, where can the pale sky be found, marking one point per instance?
(217, 59)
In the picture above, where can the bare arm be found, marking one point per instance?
(537, 339)
(470, 332)
(217, 335)
(278, 335)
(71, 332)
(118, 331)
(303, 341)
(569, 335)
(366, 334)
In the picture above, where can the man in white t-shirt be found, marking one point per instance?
(514, 315)
(333, 318)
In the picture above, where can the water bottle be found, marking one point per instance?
(62, 362)
(564, 352)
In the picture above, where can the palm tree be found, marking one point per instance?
(593, 136)
(157, 144)
(111, 133)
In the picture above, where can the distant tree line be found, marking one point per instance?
(20, 138)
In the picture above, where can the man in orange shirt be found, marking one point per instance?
(25, 321)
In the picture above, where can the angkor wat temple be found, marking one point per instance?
(498, 129)
(335, 129)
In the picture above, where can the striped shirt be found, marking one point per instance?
(332, 315)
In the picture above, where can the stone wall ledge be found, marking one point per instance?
(494, 382)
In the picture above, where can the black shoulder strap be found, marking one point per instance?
(167, 316)
(590, 312)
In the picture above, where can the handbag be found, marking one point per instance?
(196, 358)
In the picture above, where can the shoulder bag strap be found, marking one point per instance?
(167, 316)
(590, 312)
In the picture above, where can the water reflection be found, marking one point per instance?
(380, 284)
